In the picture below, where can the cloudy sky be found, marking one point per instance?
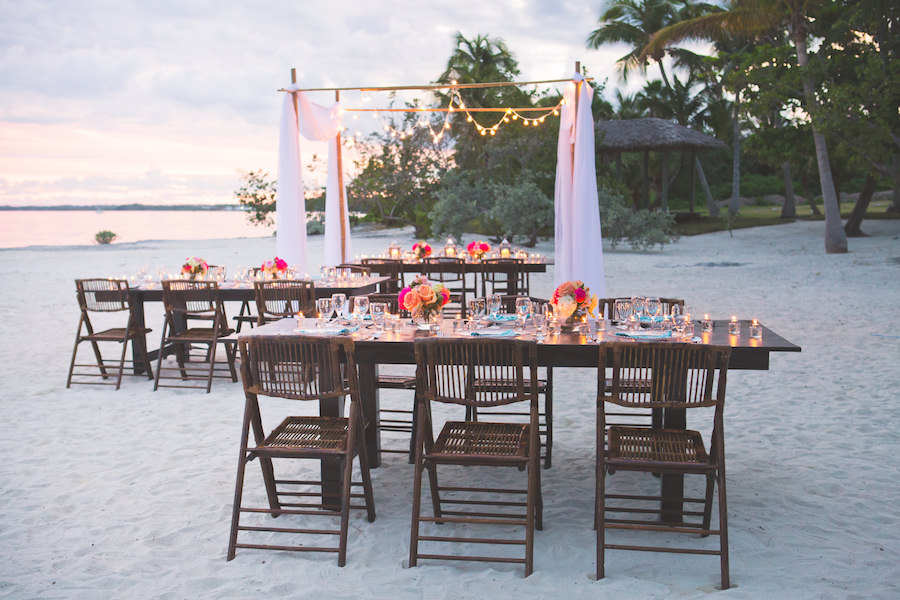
(167, 101)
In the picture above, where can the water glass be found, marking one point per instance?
(377, 310)
(523, 309)
(624, 309)
(360, 305)
(338, 304)
(539, 320)
(494, 303)
(638, 305)
(324, 306)
(652, 307)
(476, 307)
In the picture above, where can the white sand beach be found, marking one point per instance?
(128, 494)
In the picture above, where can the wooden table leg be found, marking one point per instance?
(331, 470)
(672, 485)
(368, 394)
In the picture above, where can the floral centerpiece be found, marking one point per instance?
(421, 250)
(275, 268)
(194, 267)
(572, 300)
(422, 299)
(478, 249)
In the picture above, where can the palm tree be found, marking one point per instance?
(634, 22)
(748, 18)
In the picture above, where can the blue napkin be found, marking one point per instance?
(501, 318)
(657, 319)
(645, 335)
(493, 333)
(329, 330)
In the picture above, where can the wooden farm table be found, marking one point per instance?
(564, 350)
(243, 292)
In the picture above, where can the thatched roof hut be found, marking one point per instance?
(651, 134)
(635, 135)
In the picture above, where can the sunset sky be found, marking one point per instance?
(166, 101)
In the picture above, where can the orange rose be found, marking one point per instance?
(426, 294)
(566, 289)
(411, 300)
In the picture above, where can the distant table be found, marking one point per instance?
(243, 292)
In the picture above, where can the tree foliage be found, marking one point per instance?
(258, 195)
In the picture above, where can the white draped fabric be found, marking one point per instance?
(318, 123)
(579, 247)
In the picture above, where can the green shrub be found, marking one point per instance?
(105, 237)
(643, 229)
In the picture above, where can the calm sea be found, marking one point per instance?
(20, 228)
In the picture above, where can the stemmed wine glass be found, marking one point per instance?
(339, 305)
(652, 307)
(623, 309)
(494, 303)
(377, 309)
(637, 306)
(476, 306)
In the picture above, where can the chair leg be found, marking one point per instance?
(212, 364)
(538, 499)
(723, 530)
(99, 359)
(530, 508)
(345, 509)
(159, 359)
(435, 494)
(239, 485)
(548, 416)
(708, 500)
(122, 363)
(230, 352)
(417, 501)
(366, 476)
(600, 519)
(74, 353)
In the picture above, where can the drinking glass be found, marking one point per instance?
(339, 304)
(637, 306)
(624, 309)
(523, 309)
(476, 307)
(377, 310)
(360, 307)
(547, 310)
(539, 321)
(324, 306)
(652, 307)
(493, 304)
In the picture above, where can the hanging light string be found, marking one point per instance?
(456, 105)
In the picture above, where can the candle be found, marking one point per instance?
(734, 326)
(707, 323)
(755, 330)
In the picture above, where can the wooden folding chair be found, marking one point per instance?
(681, 377)
(449, 371)
(304, 369)
(280, 298)
(106, 296)
(188, 304)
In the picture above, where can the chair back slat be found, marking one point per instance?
(476, 372)
(190, 297)
(298, 367)
(284, 298)
(387, 267)
(102, 295)
(678, 375)
(506, 276)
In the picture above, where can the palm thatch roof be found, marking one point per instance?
(635, 135)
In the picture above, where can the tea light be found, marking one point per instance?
(707, 324)
(755, 330)
(505, 249)
(395, 250)
(450, 248)
(457, 322)
(734, 326)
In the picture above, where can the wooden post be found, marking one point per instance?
(693, 179)
(340, 181)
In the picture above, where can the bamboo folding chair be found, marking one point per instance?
(187, 304)
(99, 297)
(681, 377)
(451, 273)
(303, 369)
(514, 412)
(506, 277)
(449, 371)
(387, 267)
(280, 298)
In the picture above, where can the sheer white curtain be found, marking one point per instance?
(318, 123)
(579, 245)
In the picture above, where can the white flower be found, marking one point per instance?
(565, 306)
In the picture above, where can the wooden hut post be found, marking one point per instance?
(693, 180)
(340, 182)
(665, 179)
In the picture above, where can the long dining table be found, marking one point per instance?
(562, 350)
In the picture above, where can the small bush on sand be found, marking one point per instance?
(105, 237)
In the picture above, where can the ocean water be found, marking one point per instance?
(23, 228)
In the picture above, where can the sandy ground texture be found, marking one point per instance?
(128, 494)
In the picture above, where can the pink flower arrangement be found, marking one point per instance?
(478, 249)
(573, 297)
(423, 298)
(274, 267)
(421, 250)
(194, 266)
